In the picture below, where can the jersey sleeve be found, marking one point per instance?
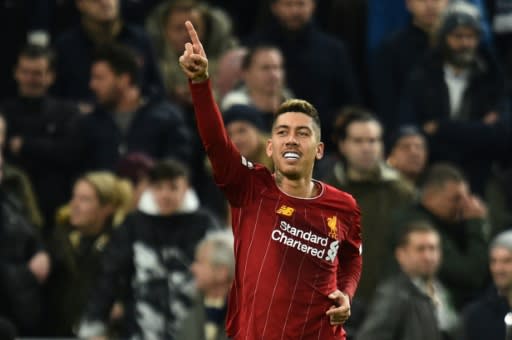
(231, 171)
(350, 256)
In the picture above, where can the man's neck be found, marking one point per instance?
(130, 101)
(456, 70)
(359, 175)
(266, 102)
(302, 188)
(217, 293)
(101, 32)
(429, 29)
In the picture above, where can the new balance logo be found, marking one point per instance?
(285, 210)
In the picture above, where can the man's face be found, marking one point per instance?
(409, 155)
(266, 72)
(34, 76)
(106, 85)
(175, 31)
(101, 11)
(246, 138)
(85, 208)
(205, 274)
(426, 13)
(461, 46)
(169, 194)
(293, 14)
(501, 268)
(421, 256)
(294, 145)
(362, 147)
(3, 132)
(447, 201)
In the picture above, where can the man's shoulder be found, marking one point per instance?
(161, 109)
(338, 197)
(71, 37)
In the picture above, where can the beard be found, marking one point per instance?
(463, 58)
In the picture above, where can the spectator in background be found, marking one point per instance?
(125, 121)
(17, 186)
(460, 218)
(484, 318)
(408, 153)
(263, 83)
(393, 61)
(99, 203)
(458, 93)
(152, 252)
(166, 25)
(228, 74)
(378, 189)
(42, 138)
(412, 305)
(214, 271)
(324, 79)
(100, 23)
(24, 268)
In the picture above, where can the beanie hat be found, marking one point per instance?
(403, 131)
(245, 113)
(459, 14)
(502, 240)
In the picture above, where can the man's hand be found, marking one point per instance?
(15, 144)
(193, 62)
(39, 265)
(340, 311)
(473, 208)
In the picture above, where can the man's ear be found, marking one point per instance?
(269, 148)
(320, 150)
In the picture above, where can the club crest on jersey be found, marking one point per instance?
(247, 163)
(333, 226)
(285, 210)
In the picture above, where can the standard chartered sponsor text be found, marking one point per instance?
(294, 237)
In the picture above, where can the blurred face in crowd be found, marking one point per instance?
(246, 138)
(461, 46)
(3, 132)
(207, 275)
(87, 214)
(102, 11)
(501, 268)
(175, 31)
(107, 86)
(409, 155)
(229, 71)
(362, 146)
(169, 195)
(426, 13)
(294, 145)
(421, 255)
(446, 202)
(34, 76)
(266, 72)
(293, 14)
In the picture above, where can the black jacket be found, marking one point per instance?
(152, 254)
(400, 311)
(20, 293)
(158, 130)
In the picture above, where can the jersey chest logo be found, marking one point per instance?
(285, 211)
(332, 223)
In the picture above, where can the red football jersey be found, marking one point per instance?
(290, 252)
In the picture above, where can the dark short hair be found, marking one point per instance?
(32, 51)
(134, 166)
(439, 174)
(302, 106)
(168, 170)
(417, 226)
(347, 116)
(249, 56)
(121, 59)
(180, 6)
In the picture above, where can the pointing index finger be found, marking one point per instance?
(192, 33)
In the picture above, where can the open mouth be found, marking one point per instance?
(291, 155)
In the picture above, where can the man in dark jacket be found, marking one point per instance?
(152, 252)
(457, 96)
(42, 131)
(124, 120)
(412, 305)
(485, 317)
(318, 67)
(100, 23)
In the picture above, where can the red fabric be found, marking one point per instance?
(286, 248)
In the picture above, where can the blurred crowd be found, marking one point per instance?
(111, 225)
